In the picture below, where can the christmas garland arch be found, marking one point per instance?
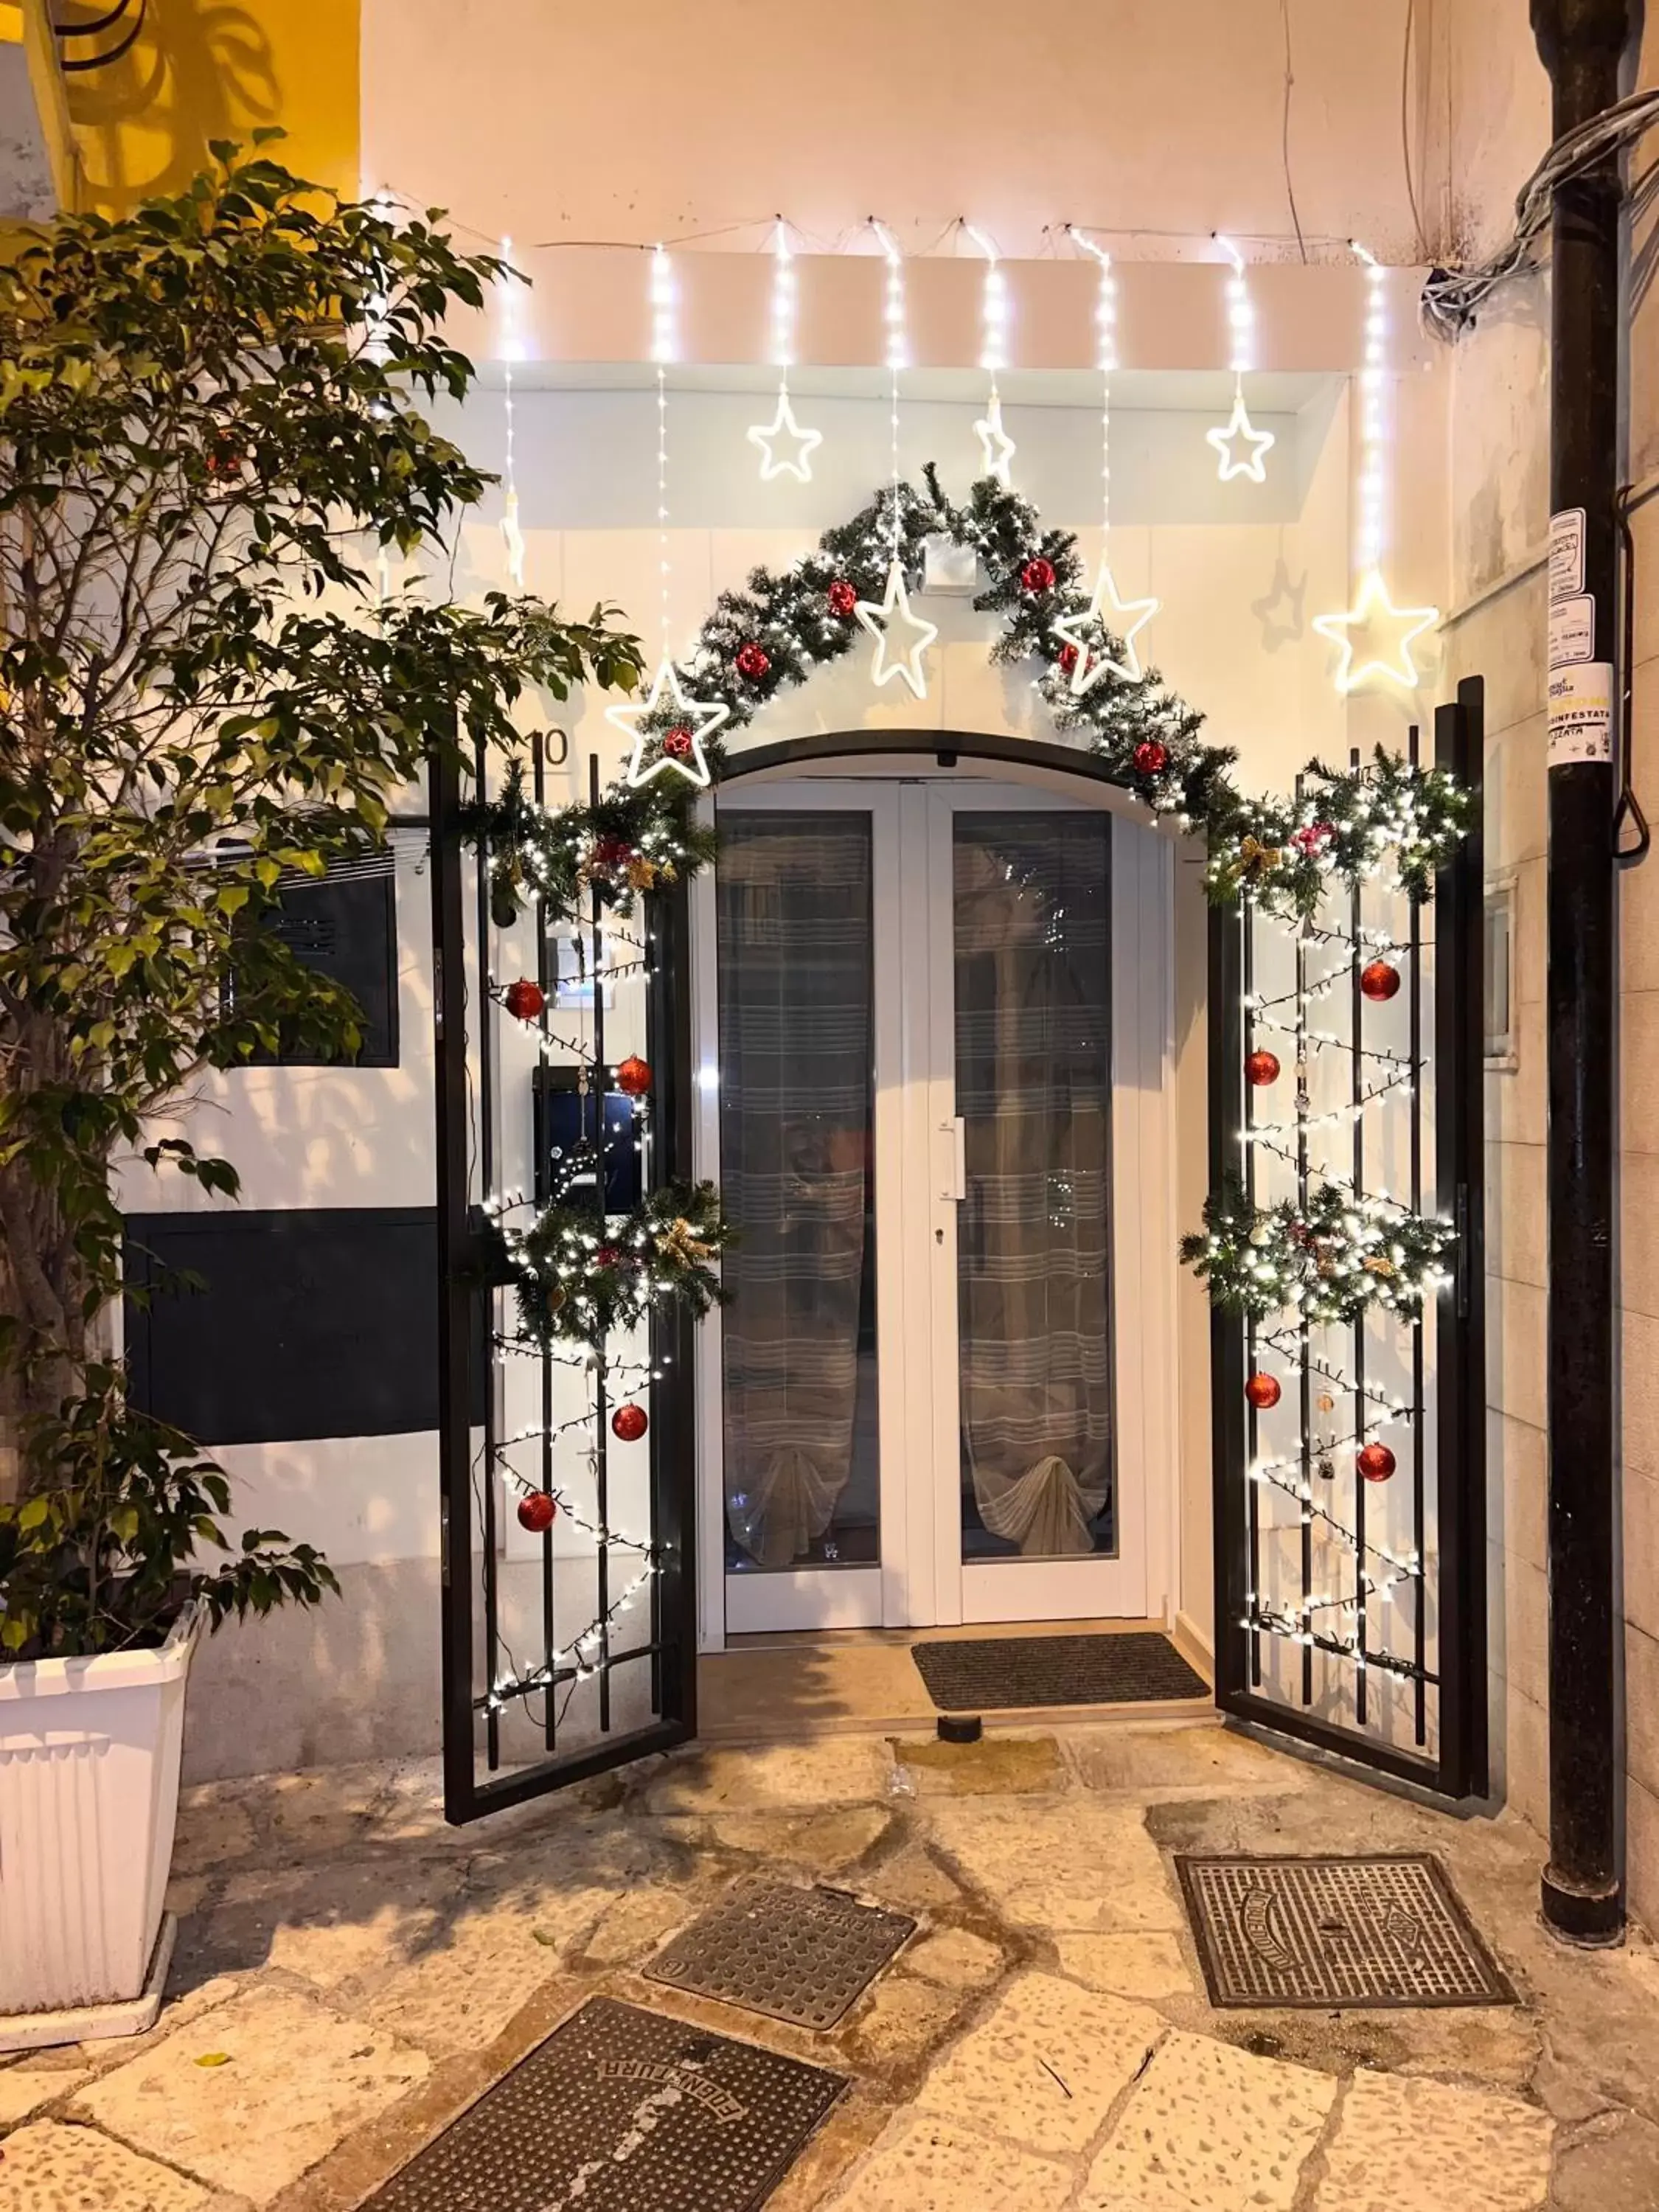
(787, 623)
(1282, 853)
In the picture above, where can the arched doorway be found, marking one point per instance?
(933, 1016)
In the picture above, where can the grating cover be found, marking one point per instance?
(623, 2110)
(993, 1673)
(1382, 1929)
(801, 1955)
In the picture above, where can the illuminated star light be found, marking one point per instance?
(1108, 608)
(1372, 614)
(884, 616)
(700, 717)
(1237, 432)
(784, 430)
(997, 446)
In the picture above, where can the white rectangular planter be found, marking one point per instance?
(89, 1752)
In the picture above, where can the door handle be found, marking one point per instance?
(953, 1181)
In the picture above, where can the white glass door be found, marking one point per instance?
(915, 1043)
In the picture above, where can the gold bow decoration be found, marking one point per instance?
(680, 1244)
(1255, 859)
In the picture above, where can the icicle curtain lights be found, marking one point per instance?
(901, 638)
(1240, 450)
(997, 448)
(786, 449)
(1374, 637)
(1088, 635)
(669, 729)
(512, 349)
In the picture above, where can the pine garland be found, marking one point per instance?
(786, 622)
(631, 839)
(1344, 1253)
(578, 1277)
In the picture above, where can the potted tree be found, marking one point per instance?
(210, 428)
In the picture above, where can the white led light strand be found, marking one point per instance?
(512, 535)
(1107, 608)
(1374, 637)
(996, 446)
(785, 450)
(1236, 434)
(889, 619)
(667, 733)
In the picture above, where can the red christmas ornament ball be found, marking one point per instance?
(1378, 981)
(614, 852)
(1261, 1067)
(1038, 573)
(630, 1423)
(535, 1512)
(843, 599)
(524, 1000)
(633, 1077)
(607, 1255)
(1375, 1462)
(753, 662)
(1263, 1391)
(1067, 659)
(677, 743)
(1151, 757)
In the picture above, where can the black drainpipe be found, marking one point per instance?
(1583, 42)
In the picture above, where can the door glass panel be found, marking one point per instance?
(798, 1179)
(1033, 1045)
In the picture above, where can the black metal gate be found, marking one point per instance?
(569, 1625)
(1350, 1476)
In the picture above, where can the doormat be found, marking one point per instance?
(1378, 1931)
(623, 2110)
(990, 1674)
(803, 1955)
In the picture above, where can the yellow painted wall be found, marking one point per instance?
(220, 69)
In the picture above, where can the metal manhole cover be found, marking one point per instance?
(801, 1955)
(1375, 1930)
(623, 2110)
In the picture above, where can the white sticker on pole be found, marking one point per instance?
(1581, 713)
(1572, 630)
(1567, 553)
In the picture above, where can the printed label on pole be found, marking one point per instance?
(1581, 713)
(1567, 553)
(1572, 630)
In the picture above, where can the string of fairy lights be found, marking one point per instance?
(670, 727)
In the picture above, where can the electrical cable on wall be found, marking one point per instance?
(1453, 297)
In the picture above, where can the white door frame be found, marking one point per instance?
(921, 1579)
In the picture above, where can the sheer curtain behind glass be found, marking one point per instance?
(1033, 1040)
(794, 921)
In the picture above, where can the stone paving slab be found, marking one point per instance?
(955, 1959)
(292, 2079)
(926, 2164)
(1046, 2065)
(839, 1770)
(1210, 2129)
(1072, 1863)
(48, 2167)
(24, 2089)
(1436, 2148)
(1136, 1964)
(462, 1993)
